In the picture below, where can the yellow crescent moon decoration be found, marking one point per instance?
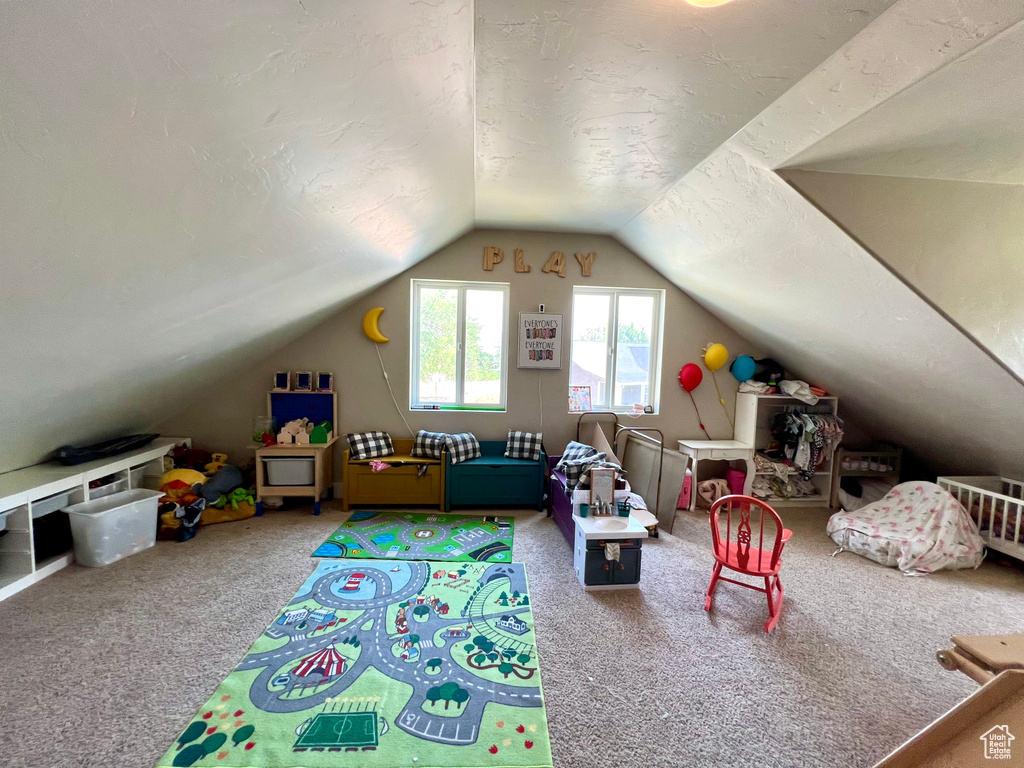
(370, 328)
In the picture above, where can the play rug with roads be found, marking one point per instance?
(380, 663)
(410, 536)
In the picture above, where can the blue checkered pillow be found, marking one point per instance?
(429, 445)
(462, 446)
(523, 445)
(369, 445)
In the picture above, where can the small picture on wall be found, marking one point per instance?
(540, 340)
(579, 399)
(304, 381)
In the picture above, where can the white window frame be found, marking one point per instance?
(418, 405)
(654, 373)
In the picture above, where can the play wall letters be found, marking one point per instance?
(555, 263)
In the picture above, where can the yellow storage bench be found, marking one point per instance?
(399, 484)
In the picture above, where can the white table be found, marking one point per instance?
(717, 450)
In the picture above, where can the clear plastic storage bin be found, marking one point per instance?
(290, 470)
(108, 529)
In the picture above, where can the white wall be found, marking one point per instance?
(184, 186)
(743, 242)
(960, 243)
(222, 417)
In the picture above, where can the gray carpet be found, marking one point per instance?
(104, 667)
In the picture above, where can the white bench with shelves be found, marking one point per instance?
(26, 495)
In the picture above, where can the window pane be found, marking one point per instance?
(633, 350)
(438, 336)
(590, 314)
(485, 312)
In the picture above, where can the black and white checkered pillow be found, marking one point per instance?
(574, 469)
(575, 451)
(462, 446)
(429, 445)
(523, 445)
(369, 445)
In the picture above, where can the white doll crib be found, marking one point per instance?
(996, 504)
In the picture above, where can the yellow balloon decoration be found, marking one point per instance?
(370, 320)
(715, 356)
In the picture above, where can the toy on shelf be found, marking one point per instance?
(325, 381)
(321, 433)
(263, 431)
(295, 431)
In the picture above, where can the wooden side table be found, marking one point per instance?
(323, 472)
(717, 450)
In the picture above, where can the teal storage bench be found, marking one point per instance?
(494, 481)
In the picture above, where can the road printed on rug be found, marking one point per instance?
(376, 662)
(416, 536)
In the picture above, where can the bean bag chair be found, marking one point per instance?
(917, 527)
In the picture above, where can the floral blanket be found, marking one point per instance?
(917, 527)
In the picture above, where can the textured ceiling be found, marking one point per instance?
(963, 122)
(187, 186)
(587, 111)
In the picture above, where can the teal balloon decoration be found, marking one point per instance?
(743, 367)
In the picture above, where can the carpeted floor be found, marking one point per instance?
(103, 667)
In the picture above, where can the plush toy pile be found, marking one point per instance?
(202, 489)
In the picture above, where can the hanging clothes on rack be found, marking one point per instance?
(806, 440)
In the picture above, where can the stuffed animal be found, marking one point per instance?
(223, 482)
(216, 464)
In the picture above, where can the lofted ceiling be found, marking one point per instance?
(188, 186)
(963, 123)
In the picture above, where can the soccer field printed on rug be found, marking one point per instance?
(380, 664)
(412, 536)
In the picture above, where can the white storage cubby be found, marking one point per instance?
(30, 494)
(753, 427)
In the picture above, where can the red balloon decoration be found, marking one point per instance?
(690, 376)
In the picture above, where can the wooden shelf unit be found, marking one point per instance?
(753, 426)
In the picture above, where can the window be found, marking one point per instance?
(459, 333)
(616, 346)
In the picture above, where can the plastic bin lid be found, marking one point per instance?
(112, 502)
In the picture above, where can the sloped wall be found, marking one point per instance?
(222, 417)
(185, 186)
(961, 244)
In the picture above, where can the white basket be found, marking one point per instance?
(108, 529)
(290, 470)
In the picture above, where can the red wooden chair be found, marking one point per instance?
(751, 549)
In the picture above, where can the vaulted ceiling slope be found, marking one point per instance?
(767, 261)
(185, 187)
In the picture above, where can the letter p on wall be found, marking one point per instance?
(492, 256)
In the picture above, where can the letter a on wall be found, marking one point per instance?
(556, 264)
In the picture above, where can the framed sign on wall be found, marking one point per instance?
(540, 340)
